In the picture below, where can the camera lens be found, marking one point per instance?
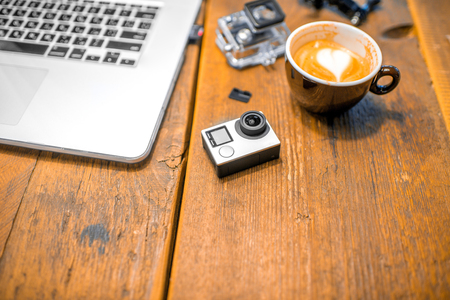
(252, 120)
(263, 13)
(252, 123)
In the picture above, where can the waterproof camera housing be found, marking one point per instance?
(240, 144)
(253, 36)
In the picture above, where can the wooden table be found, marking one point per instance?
(357, 206)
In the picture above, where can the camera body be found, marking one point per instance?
(242, 143)
(256, 35)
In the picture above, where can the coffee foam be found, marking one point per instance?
(335, 61)
(330, 61)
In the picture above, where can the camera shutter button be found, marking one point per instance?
(226, 151)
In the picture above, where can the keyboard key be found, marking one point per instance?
(32, 36)
(133, 35)
(64, 39)
(136, 5)
(80, 41)
(48, 5)
(94, 31)
(48, 37)
(128, 62)
(65, 17)
(34, 14)
(19, 3)
(77, 53)
(125, 13)
(78, 29)
(96, 20)
(145, 25)
(111, 57)
(110, 33)
(16, 23)
(64, 6)
(80, 19)
(34, 4)
(23, 47)
(96, 43)
(109, 11)
(112, 22)
(5, 11)
(145, 15)
(128, 24)
(3, 32)
(79, 8)
(58, 51)
(20, 13)
(3, 21)
(16, 34)
(47, 26)
(124, 46)
(92, 58)
(32, 24)
(93, 10)
(62, 27)
(5, 2)
(49, 16)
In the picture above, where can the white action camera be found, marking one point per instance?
(242, 143)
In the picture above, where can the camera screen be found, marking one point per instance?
(220, 136)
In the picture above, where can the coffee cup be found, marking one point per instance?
(325, 95)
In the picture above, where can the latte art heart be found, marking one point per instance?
(335, 61)
(330, 61)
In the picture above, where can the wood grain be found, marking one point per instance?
(429, 17)
(357, 205)
(16, 167)
(92, 229)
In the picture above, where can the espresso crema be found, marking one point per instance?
(330, 61)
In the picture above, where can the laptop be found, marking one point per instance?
(90, 78)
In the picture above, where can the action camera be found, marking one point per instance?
(255, 35)
(240, 144)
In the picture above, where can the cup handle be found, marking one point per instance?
(384, 89)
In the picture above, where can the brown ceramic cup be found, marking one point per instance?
(325, 97)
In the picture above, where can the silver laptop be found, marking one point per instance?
(90, 78)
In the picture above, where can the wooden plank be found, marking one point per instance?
(429, 18)
(357, 205)
(91, 229)
(16, 167)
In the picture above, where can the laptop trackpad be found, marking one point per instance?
(18, 85)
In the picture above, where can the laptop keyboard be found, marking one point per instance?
(102, 32)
